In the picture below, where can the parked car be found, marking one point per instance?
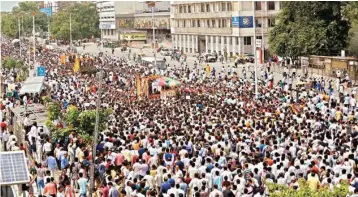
(165, 52)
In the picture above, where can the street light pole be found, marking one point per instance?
(33, 33)
(155, 51)
(70, 29)
(255, 54)
(19, 36)
(95, 139)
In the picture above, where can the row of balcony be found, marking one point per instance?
(224, 31)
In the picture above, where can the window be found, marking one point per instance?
(208, 23)
(271, 22)
(198, 23)
(213, 23)
(207, 7)
(270, 5)
(184, 9)
(258, 5)
(258, 23)
(180, 9)
(223, 6)
(219, 40)
(229, 6)
(189, 9)
(214, 8)
(219, 23)
(247, 40)
(225, 40)
(202, 7)
(193, 22)
(184, 23)
(258, 37)
(237, 40)
(223, 22)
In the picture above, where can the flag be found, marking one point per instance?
(208, 69)
(76, 66)
(63, 59)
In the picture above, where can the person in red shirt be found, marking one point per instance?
(50, 188)
(105, 190)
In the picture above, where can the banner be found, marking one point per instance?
(76, 66)
(41, 71)
(243, 21)
(133, 36)
(63, 59)
(47, 11)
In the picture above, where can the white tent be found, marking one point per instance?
(33, 85)
(31, 88)
(31, 80)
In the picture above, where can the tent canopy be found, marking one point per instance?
(31, 80)
(32, 85)
(31, 88)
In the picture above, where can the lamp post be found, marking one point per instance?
(95, 139)
(70, 29)
(152, 4)
(255, 54)
(33, 34)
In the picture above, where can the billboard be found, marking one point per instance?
(47, 11)
(137, 36)
(41, 71)
(243, 21)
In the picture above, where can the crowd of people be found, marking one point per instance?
(217, 140)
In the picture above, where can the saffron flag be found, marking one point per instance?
(63, 59)
(76, 66)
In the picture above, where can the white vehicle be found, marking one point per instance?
(165, 52)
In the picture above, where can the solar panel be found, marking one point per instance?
(13, 168)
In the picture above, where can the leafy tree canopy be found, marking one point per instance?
(306, 28)
(84, 18)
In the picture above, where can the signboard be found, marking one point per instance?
(243, 21)
(41, 71)
(235, 21)
(107, 26)
(258, 43)
(133, 36)
(47, 11)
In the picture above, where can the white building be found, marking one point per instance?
(214, 25)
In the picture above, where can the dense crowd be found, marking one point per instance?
(215, 139)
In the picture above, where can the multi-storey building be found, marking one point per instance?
(107, 19)
(132, 20)
(58, 5)
(221, 25)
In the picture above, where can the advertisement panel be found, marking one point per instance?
(47, 11)
(243, 21)
(140, 36)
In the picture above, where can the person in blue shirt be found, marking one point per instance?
(170, 179)
(82, 182)
(64, 161)
(51, 164)
(165, 186)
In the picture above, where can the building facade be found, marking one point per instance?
(143, 20)
(221, 25)
(58, 5)
(107, 19)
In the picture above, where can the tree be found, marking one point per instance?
(350, 12)
(306, 28)
(84, 18)
(23, 12)
(277, 190)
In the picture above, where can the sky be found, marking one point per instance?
(7, 5)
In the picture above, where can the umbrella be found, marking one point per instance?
(15, 41)
(173, 83)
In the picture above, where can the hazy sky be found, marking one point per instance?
(7, 5)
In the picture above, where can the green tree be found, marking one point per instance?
(23, 12)
(84, 18)
(277, 190)
(306, 28)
